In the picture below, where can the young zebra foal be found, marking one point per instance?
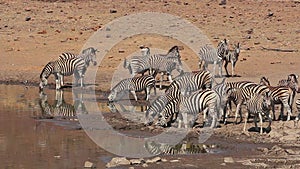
(259, 105)
(135, 84)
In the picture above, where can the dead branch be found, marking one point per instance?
(280, 50)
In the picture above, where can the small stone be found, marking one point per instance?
(28, 18)
(136, 161)
(57, 157)
(88, 164)
(270, 14)
(174, 161)
(164, 160)
(42, 32)
(117, 161)
(145, 165)
(248, 37)
(113, 11)
(131, 168)
(121, 51)
(228, 160)
(153, 160)
(291, 152)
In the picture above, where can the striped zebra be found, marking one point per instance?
(60, 109)
(138, 64)
(232, 56)
(155, 148)
(210, 55)
(62, 68)
(163, 63)
(279, 95)
(155, 108)
(292, 83)
(259, 105)
(197, 102)
(88, 55)
(240, 95)
(168, 115)
(135, 84)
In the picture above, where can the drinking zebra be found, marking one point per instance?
(62, 68)
(135, 84)
(259, 105)
(168, 115)
(155, 108)
(198, 102)
(210, 55)
(232, 56)
(279, 95)
(138, 64)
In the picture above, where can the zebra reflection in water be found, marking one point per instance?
(60, 109)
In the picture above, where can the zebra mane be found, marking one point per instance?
(264, 81)
(174, 48)
(295, 77)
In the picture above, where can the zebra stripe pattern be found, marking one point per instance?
(88, 55)
(62, 68)
(135, 84)
(259, 105)
(240, 95)
(138, 64)
(168, 115)
(155, 108)
(232, 56)
(279, 95)
(210, 55)
(198, 102)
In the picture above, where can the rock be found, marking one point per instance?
(136, 161)
(131, 168)
(117, 161)
(28, 18)
(290, 137)
(174, 161)
(270, 14)
(88, 164)
(228, 160)
(164, 160)
(113, 11)
(291, 152)
(223, 2)
(145, 165)
(262, 149)
(121, 51)
(153, 160)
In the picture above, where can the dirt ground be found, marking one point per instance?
(36, 32)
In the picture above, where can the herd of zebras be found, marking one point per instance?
(190, 93)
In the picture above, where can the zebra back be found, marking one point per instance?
(66, 55)
(69, 66)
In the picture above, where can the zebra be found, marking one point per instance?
(62, 68)
(292, 83)
(232, 56)
(279, 95)
(155, 108)
(168, 115)
(210, 55)
(88, 55)
(198, 102)
(60, 109)
(155, 148)
(259, 105)
(133, 85)
(138, 64)
(240, 95)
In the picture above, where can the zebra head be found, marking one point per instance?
(112, 107)
(112, 96)
(264, 81)
(90, 55)
(46, 72)
(145, 51)
(174, 52)
(161, 121)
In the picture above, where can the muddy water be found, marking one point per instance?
(28, 142)
(36, 131)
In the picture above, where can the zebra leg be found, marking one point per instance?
(161, 80)
(134, 94)
(225, 66)
(147, 93)
(232, 69)
(289, 112)
(246, 118)
(261, 123)
(57, 81)
(214, 69)
(237, 111)
(273, 111)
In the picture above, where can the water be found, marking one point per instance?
(26, 141)
(43, 131)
